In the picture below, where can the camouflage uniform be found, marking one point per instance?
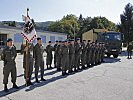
(83, 55)
(30, 62)
(49, 58)
(9, 56)
(65, 58)
(78, 49)
(129, 50)
(55, 55)
(71, 57)
(58, 57)
(39, 60)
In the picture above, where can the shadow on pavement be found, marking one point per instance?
(111, 60)
(53, 79)
(11, 90)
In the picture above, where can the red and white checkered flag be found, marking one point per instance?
(29, 32)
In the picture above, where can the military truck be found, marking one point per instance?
(112, 41)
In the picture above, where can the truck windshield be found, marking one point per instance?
(113, 37)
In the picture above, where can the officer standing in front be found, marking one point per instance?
(8, 56)
(39, 60)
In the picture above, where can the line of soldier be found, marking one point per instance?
(69, 56)
(72, 56)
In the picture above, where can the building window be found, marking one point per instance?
(43, 38)
(3, 38)
(18, 38)
(52, 38)
(60, 38)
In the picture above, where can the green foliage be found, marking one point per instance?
(13, 23)
(70, 24)
(126, 25)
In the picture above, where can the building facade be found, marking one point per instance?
(14, 33)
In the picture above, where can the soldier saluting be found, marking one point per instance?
(8, 56)
(38, 51)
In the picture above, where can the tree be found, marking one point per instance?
(126, 25)
(68, 24)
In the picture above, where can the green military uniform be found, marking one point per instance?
(71, 57)
(65, 58)
(93, 54)
(88, 53)
(78, 49)
(39, 60)
(103, 52)
(55, 54)
(83, 55)
(58, 57)
(30, 62)
(49, 58)
(129, 50)
(8, 56)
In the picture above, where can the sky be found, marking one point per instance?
(52, 10)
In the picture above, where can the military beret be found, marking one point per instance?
(60, 41)
(78, 39)
(9, 39)
(49, 42)
(72, 39)
(39, 38)
(65, 41)
(89, 40)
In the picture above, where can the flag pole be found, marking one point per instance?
(27, 56)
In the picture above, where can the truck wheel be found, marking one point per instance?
(108, 55)
(115, 56)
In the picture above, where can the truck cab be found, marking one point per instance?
(113, 43)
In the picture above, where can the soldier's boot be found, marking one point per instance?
(42, 79)
(75, 70)
(47, 67)
(70, 71)
(88, 65)
(55, 66)
(29, 82)
(5, 88)
(63, 73)
(51, 67)
(37, 80)
(58, 69)
(83, 67)
(15, 86)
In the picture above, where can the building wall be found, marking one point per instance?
(18, 39)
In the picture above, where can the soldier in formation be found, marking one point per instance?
(49, 57)
(129, 50)
(69, 56)
(28, 62)
(8, 56)
(38, 51)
